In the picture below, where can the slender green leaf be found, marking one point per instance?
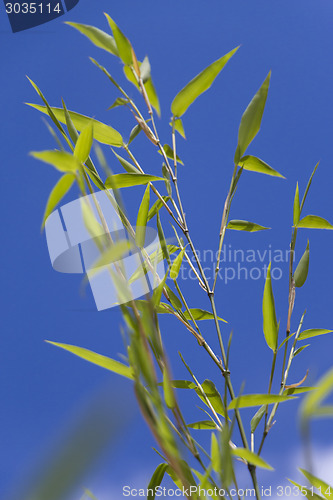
(114, 252)
(198, 85)
(175, 268)
(131, 169)
(251, 458)
(152, 96)
(313, 400)
(123, 44)
(314, 222)
(58, 192)
(102, 133)
(120, 101)
(213, 396)
(118, 181)
(201, 314)
(97, 359)
(298, 390)
(254, 164)
(169, 396)
(97, 37)
(297, 208)
(157, 206)
(156, 479)
(324, 488)
(84, 143)
(70, 125)
(178, 124)
(244, 225)
(251, 119)
(141, 221)
(308, 186)
(183, 384)
(302, 269)
(169, 153)
(249, 400)
(313, 332)
(48, 109)
(300, 349)
(269, 317)
(177, 304)
(215, 454)
(134, 133)
(202, 425)
(61, 160)
(257, 418)
(157, 294)
(163, 243)
(305, 492)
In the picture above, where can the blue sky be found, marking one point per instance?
(42, 388)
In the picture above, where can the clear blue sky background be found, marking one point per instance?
(42, 388)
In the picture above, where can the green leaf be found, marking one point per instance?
(314, 222)
(169, 153)
(215, 454)
(251, 119)
(102, 133)
(198, 85)
(156, 479)
(157, 294)
(251, 458)
(202, 425)
(70, 125)
(58, 192)
(257, 417)
(152, 95)
(131, 169)
(269, 317)
(84, 143)
(249, 400)
(97, 37)
(201, 314)
(297, 208)
(157, 206)
(308, 186)
(120, 101)
(134, 133)
(313, 400)
(141, 221)
(169, 396)
(302, 269)
(177, 304)
(48, 109)
(313, 332)
(244, 225)
(178, 124)
(183, 384)
(163, 243)
(324, 488)
(116, 251)
(213, 395)
(298, 390)
(254, 164)
(123, 44)
(118, 181)
(175, 268)
(61, 160)
(97, 359)
(305, 492)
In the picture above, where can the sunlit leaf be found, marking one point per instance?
(169, 396)
(251, 119)
(58, 192)
(198, 85)
(169, 153)
(215, 453)
(302, 269)
(156, 479)
(61, 160)
(183, 384)
(251, 458)
(126, 180)
(178, 124)
(298, 390)
(297, 208)
(313, 400)
(162, 240)
(114, 252)
(313, 332)
(97, 37)
(249, 400)
(123, 44)
(157, 294)
(201, 314)
(244, 225)
(141, 221)
(202, 424)
(84, 143)
(254, 164)
(323, 487)
(131, 169)
(269, 317)
(305, 492)
(176, 265)
(97, 359)
(157, 206)
(257, 418)
(177, 304)
(102, 133)
(213, 396)
(308, 186)
(314, 222)
(120, 101)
